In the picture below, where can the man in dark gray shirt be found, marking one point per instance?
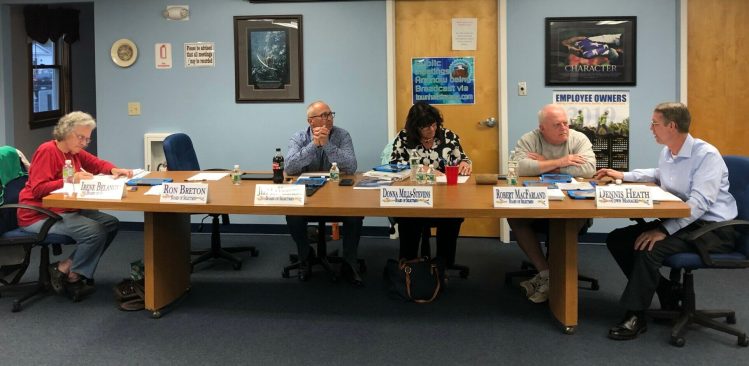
(315, 149)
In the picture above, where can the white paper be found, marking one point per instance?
(574, 185)
(139, 173)
(658, 194)
(201, 177)
(443, 178)
(155, 190)
(555, 194)
(464, 34)
(315, 174)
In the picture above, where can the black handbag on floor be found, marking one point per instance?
(419, 280)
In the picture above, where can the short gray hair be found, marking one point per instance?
(313, 104)
(70, 121)
(542, 111)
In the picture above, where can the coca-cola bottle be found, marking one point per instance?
(278, 166)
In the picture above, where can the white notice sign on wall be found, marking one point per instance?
(163, 53)
(200, 54)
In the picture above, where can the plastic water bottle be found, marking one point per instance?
(335, 173)
(413, 162)
(512, 169)
(431, 177)
(278, 166)
(420, 175)
(68, 178)
(236, 175)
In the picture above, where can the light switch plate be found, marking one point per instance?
(133, 109)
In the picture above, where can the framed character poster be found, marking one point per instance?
(591, 51)
(268, 59)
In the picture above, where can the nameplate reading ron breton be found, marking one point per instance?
(521, 197)
(623, 197)
(186, 193)
(279, 195)
(101, 189)
(406, 196)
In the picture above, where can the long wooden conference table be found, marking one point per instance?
(167, 227)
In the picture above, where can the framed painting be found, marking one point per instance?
(591, 51)
(268, 59)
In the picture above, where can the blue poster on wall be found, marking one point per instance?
(443, 80)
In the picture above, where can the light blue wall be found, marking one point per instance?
(657, 67)
(344, 64)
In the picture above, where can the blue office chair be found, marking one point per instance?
(687, 262)
(180, 156)
(13, 240)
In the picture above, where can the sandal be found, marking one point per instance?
(132, 305)
(79, 289)
(125, 291)
(57, 279)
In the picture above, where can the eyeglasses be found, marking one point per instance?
(326, 115)
(656, 123)
(83, 139)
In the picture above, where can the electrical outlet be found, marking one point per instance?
(133, 109)
(522, 89)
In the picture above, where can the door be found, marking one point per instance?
(423, 28)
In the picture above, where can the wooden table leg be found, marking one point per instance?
(563, 272)
(166, 258)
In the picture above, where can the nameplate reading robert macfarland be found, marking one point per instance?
(101, 189)
(521, 197)
(279, 195)
(186, 193)
(623, 197)
(406, 196)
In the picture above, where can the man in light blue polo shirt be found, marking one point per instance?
(694, 171)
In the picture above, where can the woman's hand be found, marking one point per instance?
(117, 172)
(464, 168)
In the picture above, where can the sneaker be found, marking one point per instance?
(541, 293)
(527, 286)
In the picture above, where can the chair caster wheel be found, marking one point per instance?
(464, 273)
(17, 307)
(156, 314)
(569, 330)
(237, 266)
(254, 253)
(743, 341)
(678, 341)
(731, 319)
(285, 274)
(594, 286)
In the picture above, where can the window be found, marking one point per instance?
(49, 82)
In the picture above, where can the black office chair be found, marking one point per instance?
(14, 241)
(180, 155)
(318, 236)
(687, 262)
(527, 269)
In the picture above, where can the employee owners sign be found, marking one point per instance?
(443, 80)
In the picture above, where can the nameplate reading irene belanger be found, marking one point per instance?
(406, 196)
(101, 189)
(279, 195)
(521, 197)
(187, 193)
(623, 197)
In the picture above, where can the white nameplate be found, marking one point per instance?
(279, 194)
(406, 196)
(521, 197)
(623, 197)
(104, 188)
(184, 193)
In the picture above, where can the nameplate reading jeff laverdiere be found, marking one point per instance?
(623, 197)
(406, 196)
(521, 197)
(186, 193)
(101, 189)
(279, 194)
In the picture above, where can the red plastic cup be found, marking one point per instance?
(451, 173)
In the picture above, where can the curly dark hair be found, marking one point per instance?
(419, 116)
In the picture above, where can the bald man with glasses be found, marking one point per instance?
(315, 149)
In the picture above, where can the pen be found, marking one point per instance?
(196, 180)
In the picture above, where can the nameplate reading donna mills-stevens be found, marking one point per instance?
(406, 196)
(188, 193)
(279, 194)
(623, 197)
(101, 189)
(521, 197)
